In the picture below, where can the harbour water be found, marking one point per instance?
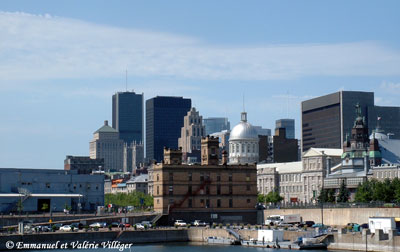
(184, 247)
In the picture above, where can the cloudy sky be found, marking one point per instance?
(61, 61)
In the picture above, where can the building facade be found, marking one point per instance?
(138, 184)
(164, 120)
(191, 135)
(127, 116)
(284, 149)
(107, 145)
(84, 165)
(243, 143)
(210, 191)
(288, 125)
(297, 182)
(42, 189)
(216, 124)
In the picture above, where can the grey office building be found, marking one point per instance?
(288, 125)
(326, 120)
(216, 124)
(127, 116)
(164, 120)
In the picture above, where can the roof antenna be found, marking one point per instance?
(126, 80)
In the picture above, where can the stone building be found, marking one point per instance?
(211, 191)
(297, 182)
(107, 145)
(191, 134)
(243, 143)
(138, 184)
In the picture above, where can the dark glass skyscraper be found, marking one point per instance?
(127, 116)
(326, 120)
(287, 124)
(164, 119)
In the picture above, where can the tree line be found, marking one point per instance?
(136, 199)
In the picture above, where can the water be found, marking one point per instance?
(184, 247)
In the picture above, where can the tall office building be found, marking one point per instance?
(216, 124)
(326, 120)
(127, 116)
(164, 120)
(107, 145)
(288, 125)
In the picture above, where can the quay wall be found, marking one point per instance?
(337, 216)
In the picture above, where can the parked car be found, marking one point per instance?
(77, 225)
(66, 228)
(148, 223)
(43, 228)
(127, 225)
(306, 224)
(115, 224)
(180, 223)
(96, 225)
(199, 223)
(318, 225)
(139, 226)
(364, 226)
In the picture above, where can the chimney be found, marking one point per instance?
(106, 122)
(224, 157)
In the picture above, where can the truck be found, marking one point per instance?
(283, 219)
(290, 219)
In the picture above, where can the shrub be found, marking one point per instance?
(214, 225)
(220, 225)
(188, 225)
(145, 226)
(96, 229)
(54, 228)
(110, 227)
(135, 227)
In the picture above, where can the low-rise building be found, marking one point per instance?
(210, 191)
(138, 184)
(84, 165)
(40, 190)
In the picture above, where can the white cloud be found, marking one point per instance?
(38, 47)
(390, 87)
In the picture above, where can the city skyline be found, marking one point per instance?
(62, 62)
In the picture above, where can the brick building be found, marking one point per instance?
(211, 191)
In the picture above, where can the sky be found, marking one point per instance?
(61, 62)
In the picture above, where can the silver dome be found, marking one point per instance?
(243, 131)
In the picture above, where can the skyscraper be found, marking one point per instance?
(127, 116)
(164, 120)
(216, 124)
(326, 120)
(288, 125)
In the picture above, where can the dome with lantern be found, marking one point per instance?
(243, 143)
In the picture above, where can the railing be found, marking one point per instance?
(333, 205)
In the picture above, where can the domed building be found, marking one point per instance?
(243, 143)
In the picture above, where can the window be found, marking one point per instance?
(248, 201)
(218, 189)
(248, 187)
(207, 203)
(230, 177)
(190, 189)
(202, 203)
(230, 203)
(48, 185)
(218, 177)
(171, 176)
(247, 177)
(207, 176)
(189, 176)
(202, 176)
(158, 178)
(207, 190)
(190, 203)
(243, 148)
(158, 190)
(230, 189)
(171, 190)
(248, 148)
(218, 202)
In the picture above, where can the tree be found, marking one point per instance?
(261, 198)
(364, 192)
(128, 199)
(273, 197)
(343, 195)
(327, 195)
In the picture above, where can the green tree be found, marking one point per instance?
(327, 195)
(128, 199)
(364, 192)
(273, 197)
(261, 198)
(343, 195)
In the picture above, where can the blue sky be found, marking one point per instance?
(61, 61)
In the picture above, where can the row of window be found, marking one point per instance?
(202, 191)
(237, 147)
(203, 176)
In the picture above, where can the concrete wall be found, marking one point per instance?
(337, 216)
